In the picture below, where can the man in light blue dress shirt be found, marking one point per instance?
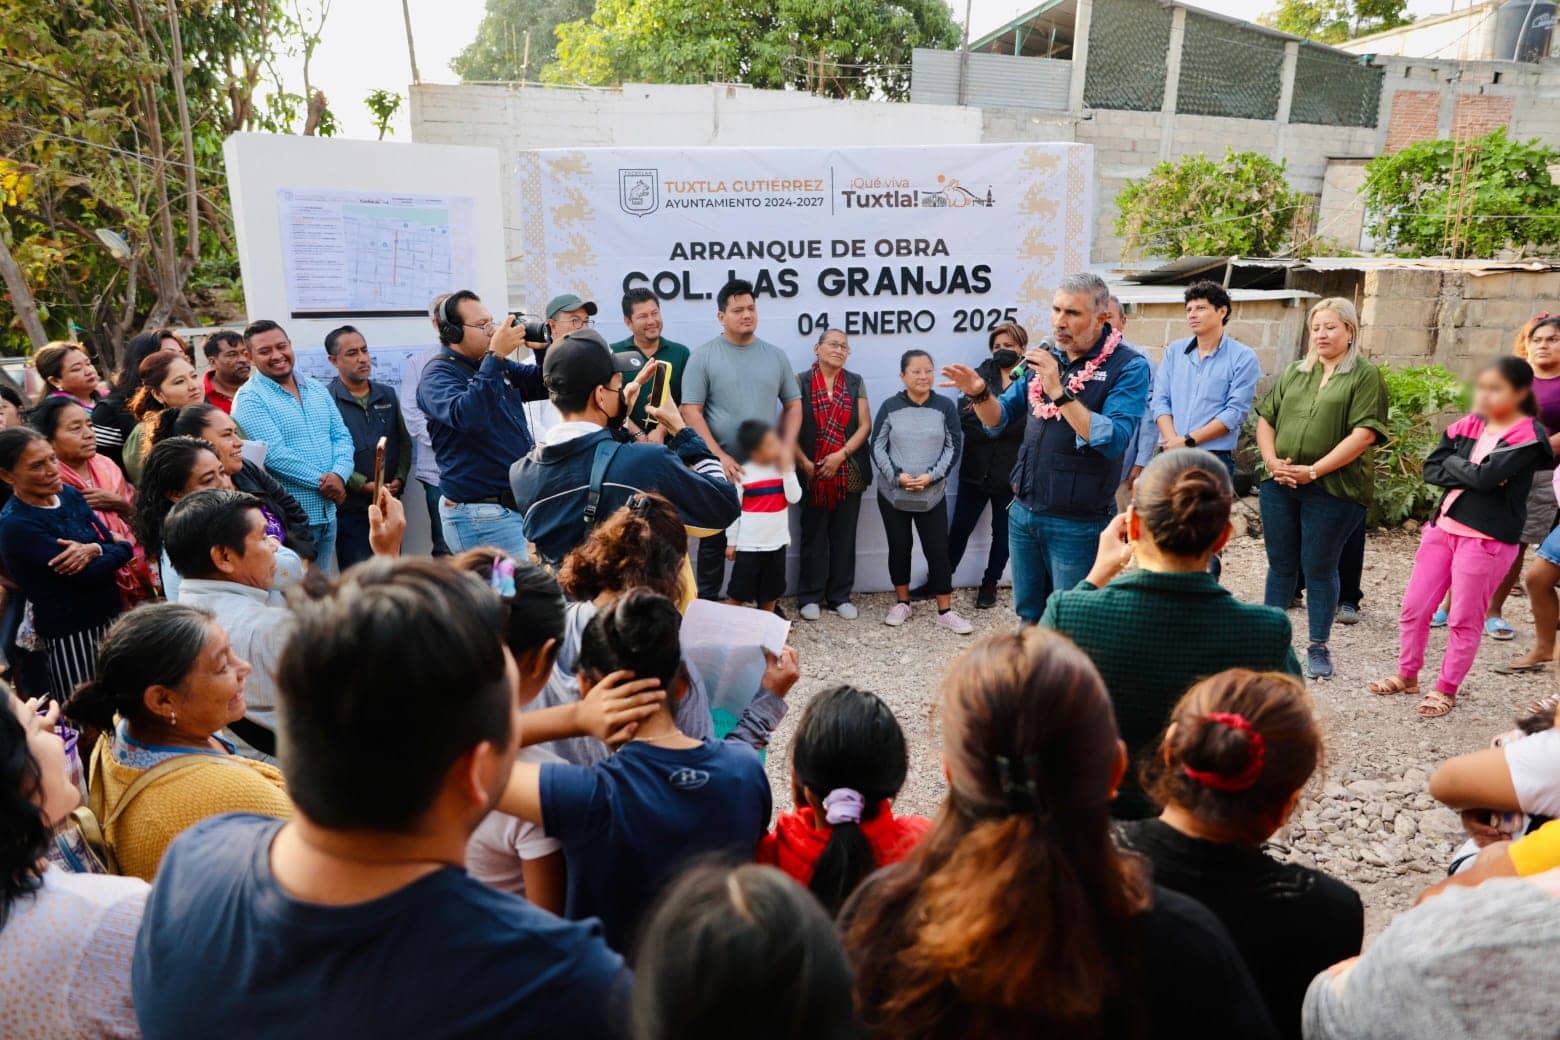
(1206, 382)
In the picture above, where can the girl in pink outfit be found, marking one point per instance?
(1486, 462)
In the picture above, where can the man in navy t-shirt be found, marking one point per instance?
(399, 722)
(629, 824)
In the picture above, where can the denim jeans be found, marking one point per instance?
(1049, 553)
(435, 525)
(1305, 529)
(967, 509)
(352, 537)
(325, 545)
(468, 525)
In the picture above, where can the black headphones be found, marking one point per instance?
(451, 329)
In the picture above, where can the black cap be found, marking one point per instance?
(582, 361)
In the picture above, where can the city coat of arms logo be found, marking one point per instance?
(639, 192)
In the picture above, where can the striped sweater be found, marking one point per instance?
(765, 522)
(917, 439)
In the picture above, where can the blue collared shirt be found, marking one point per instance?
(476, 420)
(1195, 390)
(305, 437)
(1111, 431)
(1148, 431)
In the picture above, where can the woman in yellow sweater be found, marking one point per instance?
(167, 683)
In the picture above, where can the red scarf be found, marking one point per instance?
(831, 413)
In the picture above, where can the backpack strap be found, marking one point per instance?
(598, 475)
(167, 767)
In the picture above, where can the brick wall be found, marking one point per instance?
(1415, 114)
(1479, 114)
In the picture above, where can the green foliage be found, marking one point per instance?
(498, 52)
(1241, 206)
(1504, 197)
(846, 48)
(1334, 21)
(1416, 399)
(383, 105)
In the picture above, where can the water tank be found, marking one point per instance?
(1523, 30)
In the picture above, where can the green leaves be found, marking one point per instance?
(1416, 399)
(1198, 207)
(1334, 21)
(1499, 193)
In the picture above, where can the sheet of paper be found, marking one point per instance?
(372, 253)
(726, 645)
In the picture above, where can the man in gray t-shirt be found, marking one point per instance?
(733, 378)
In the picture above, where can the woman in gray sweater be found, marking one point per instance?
(915, 443)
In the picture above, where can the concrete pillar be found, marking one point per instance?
(1172, 81)
(1286, 92)
(1080, 54)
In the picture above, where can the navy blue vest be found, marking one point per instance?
(1053, 475)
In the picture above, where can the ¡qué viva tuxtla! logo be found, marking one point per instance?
(898, 193)
(639, 192)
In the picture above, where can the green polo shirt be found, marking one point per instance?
(1309, 420)
(674, 354)
(1152, 635)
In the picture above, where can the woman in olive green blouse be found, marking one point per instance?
(1316, 429)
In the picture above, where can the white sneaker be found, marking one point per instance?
(847, 611)
(954, 623)
(897, 615)
(811, 612)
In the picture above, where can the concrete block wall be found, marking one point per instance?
(1272, 328)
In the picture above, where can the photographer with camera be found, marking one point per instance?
(473, 395)
(584, 470)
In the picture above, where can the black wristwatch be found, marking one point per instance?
(1191, 442)
(1066, 397)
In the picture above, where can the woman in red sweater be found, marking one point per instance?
(848, 761)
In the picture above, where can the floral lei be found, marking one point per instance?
(1042, 405)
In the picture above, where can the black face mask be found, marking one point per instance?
(1005, 358)
(616, 422)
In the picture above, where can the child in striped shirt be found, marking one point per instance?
(761, 535)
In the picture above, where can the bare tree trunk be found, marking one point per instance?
(191, 184)
(21, 296)
(311, 123)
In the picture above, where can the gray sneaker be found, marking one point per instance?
(1348, 614)
(897, 615)
(847, 611)
(1318, 661)
(811, 612)
(954, 623)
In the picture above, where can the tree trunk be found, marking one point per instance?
(21, 296)
(316, 111)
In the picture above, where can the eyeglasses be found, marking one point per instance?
(575, 322)
(485, 326)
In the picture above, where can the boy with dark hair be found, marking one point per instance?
(757, 542)
(358, 913)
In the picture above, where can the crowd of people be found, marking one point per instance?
(258, 765)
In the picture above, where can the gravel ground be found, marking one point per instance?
(1366, 817)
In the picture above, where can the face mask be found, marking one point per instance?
(1005, 358)
(616, 422)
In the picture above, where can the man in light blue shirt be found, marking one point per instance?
(1142, 452)
(1206, 382)
(307, 444)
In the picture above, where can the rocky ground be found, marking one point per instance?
(1366, 818)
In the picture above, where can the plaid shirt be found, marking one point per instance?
(305, 437)
(1152, 635)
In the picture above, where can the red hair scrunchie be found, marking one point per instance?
(1248, 776)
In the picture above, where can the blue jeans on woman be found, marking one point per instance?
(1304, 529)
(1049, 553)
(967, 509)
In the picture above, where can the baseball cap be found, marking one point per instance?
(568, 302)
(582, 361)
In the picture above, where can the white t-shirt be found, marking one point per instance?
(65, 958)
(502, 842)
(1534, 762)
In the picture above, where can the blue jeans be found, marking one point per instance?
(1215, 565)
(325, 545)
(468, 525)
(1049, 553)
(435, 526)
(1305, 529)
(967, 509)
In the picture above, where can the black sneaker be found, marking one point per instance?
(921, 592)
(987, 598)
(1318, 661)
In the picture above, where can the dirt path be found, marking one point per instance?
(1366, 819)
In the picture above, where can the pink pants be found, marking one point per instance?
(1472, 568)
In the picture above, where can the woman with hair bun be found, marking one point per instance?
(1017, 916)
(1154, 631)
(848, 761)
(1239, 748)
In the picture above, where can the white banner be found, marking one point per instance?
(924, 247)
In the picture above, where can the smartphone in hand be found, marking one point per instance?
(657, 389)
(379, 464)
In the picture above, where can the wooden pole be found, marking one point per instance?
(964, 57)
(411, 51)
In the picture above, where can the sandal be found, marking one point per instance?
(1496, 628)
(1435, 705)
(1517, 669)
(1394, 685)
